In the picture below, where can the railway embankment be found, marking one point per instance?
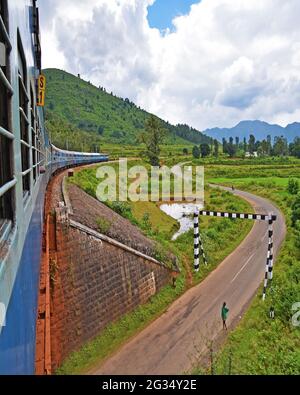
(92, 277)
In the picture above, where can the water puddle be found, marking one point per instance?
(183, 213)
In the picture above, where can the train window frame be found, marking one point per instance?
(24, 121)
(7, 177)
(40, 145)
(34, 132)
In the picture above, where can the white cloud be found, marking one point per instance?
(226, 61)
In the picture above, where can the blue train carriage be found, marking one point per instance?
(26, 163)
(22, 184)
(62, 158)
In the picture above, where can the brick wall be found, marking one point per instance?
(93, 283)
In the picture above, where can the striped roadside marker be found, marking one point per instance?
(270, 248)
(269, 263)
(266, 280)
(259, 217)
(198, 244)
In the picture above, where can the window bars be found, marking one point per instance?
(7, 180)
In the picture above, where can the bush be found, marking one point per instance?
(293, 186)
(212, 234)
(103, 225)
(296, 210)
(146, 224)
(122, 208)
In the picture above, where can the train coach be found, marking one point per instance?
(27, 161)
(62, 158)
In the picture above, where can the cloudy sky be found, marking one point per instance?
(206, 63)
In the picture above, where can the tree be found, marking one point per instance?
(280, 146)
(245, 145)
(152, 137)
(212, 145)
(295, 147)
(231, 148)
(216, 148)
(264, 148)
(185, 151)
(269, 142)
(295, 217)
(188, 133)
(196, 152)
(257, 145)
(205, 150)
(224, 146)
(251, 144)
(237, 142)
(100, 129)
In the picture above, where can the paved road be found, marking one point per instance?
(167, 346)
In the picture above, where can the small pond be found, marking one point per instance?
(183, 213)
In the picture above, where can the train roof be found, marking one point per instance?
(77, 153)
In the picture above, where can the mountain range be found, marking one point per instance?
(258, 128)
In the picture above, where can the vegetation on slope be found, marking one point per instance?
(157, 225)
(91, 109)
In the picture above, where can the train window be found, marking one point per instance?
(3, 13)
(39, 147)
(24, 121)
(33, 133)
(7, 180)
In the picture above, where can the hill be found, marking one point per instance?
(75, 102)
(258, 128)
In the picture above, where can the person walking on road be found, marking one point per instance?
(224, 313)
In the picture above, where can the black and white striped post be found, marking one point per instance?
(198, 244)
(270, 258)
(266, 280)
(260, 217)
(270, 247)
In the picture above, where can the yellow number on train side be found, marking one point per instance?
(41, 99)
(41, 91)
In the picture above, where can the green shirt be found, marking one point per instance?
(224, 313)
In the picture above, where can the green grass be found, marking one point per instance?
(159, 221)
(278, 183)
(254, 172)
(169, 153)
(215, 232)
(260, 345)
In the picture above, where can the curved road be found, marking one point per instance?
(170, 344)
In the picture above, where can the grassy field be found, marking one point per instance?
(260, 345)
(215, 233)
(168, 153)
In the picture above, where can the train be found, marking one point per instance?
(28, 160)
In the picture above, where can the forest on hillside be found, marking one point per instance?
(81, 115)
